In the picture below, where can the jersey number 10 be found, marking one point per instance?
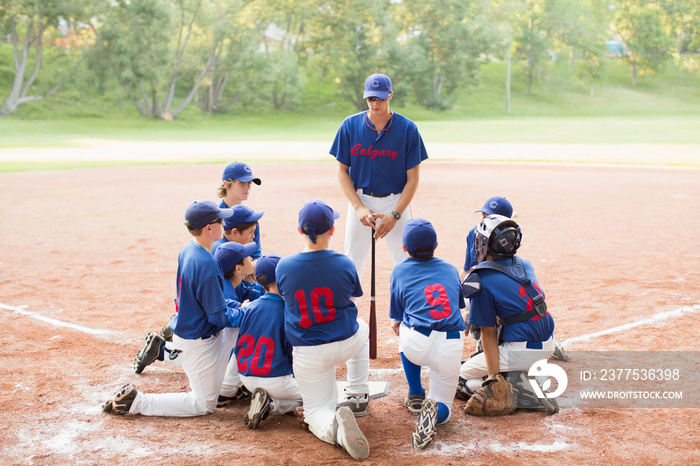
(319, 317)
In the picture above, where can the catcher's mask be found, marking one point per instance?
(497, 236)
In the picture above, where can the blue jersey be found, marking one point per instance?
(244, 291)
(378, 163)
(262, 349)
(317, 287)
(502, 296)
(200, 305)
(427, 294)
(256, 237)
(470, 256)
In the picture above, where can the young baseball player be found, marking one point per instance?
(379, 153)
(241, 227)
(235, 186)
(264, 353)
(496, 205)
(236, 264)
(508, 305)
(203, 326)
(426, 296)
(321, 323)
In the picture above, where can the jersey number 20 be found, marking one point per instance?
(250, 346)
(319, 317)
(441, 300)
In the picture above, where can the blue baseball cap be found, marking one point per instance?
(497, 206)
(265, 269)
(316, 218)
(239, 171)
(201, 213)
(242, 214)
(229, 254)
(377, 85)
(419, 233)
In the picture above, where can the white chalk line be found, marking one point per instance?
(656, 318)
(22, 311)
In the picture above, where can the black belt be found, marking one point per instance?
(426, 331)
(533, 345)
(367, 193)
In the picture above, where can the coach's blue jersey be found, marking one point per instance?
(470, 256)
(262, 349)
(200, 304)
(256, 237)
(427, 294)
(378, 163)
(244, 291)
(317, 287)
(502, 296)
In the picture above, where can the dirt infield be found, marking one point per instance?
(97, 249)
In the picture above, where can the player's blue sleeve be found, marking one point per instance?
(256, 237)
(415, 149)
(249, 291)
(210, 294)
(234, 315)
(396, 309)
(470, 254)
(482, 309)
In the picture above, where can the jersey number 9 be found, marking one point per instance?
(441, 300)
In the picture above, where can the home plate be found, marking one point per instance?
(376, 390)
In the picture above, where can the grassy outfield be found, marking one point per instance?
(659, 110)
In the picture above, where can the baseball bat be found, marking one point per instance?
(372, 312)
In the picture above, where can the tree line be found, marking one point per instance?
(168, 54)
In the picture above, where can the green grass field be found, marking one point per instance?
(660, 110)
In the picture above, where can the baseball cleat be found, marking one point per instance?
(242, 394)
(358, 404)
(259, 408)
(348, 434)
(463, 392)
(425, 427)
(152, 350)
(122, 400)
(414, 403)
(166, 332)
(528, 399)
(559, 353)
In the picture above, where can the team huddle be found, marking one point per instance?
(272, 330)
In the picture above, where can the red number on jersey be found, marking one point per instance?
(441, 300)
(319, 317)
(247, 344)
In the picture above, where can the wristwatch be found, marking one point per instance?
(396, 215)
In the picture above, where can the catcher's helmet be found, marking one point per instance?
(497, 236)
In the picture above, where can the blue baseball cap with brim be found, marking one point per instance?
(239, 171)
(497, 206)
(242, 214)
(201, 213)
(316, 218)
(377, 85)
(229, 254)
(419, 233)
(265, 269)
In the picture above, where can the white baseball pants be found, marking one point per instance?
(284, 391)
(204, 362)
(314, 369)
(358, 238)
(512, 356)
(440, 354)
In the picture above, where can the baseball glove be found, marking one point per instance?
(496, 397)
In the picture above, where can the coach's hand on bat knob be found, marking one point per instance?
(366, 216)
(385, 225)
